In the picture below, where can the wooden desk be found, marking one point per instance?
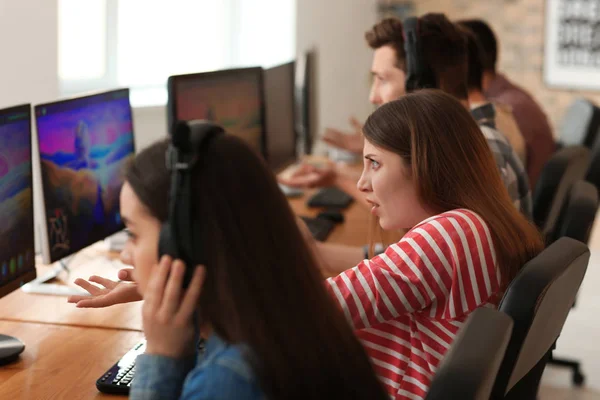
(61, 362)
(357, 219)
(50, 309)
(67, 348)
(353, 231)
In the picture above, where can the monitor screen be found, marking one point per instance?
(17, 258)
(279, 111)
(231, 98)
(85, 144)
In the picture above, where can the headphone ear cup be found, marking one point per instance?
(167, 245)
(418, 74)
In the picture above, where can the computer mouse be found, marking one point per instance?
(332, 215)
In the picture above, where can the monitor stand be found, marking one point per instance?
(10, 348)
(117, 241)
(40, 285)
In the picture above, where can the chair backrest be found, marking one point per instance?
(538, 300)
(578, 213)
(565, 167)
(469, 368)
(580, 124)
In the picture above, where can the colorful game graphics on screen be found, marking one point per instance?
(85, 144)
(232, 99)
(16, 199)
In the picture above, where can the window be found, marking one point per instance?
(139, 43)
(82, 39)
(266, 32)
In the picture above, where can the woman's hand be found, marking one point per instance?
(168, 310)
(109, 293)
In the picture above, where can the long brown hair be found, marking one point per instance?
(262, 287)
(453, 167)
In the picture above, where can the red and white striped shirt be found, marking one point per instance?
(408, 303)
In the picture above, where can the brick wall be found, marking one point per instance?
(519, 25)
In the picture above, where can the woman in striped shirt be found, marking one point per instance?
(428, 170)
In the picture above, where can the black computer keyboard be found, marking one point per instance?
(330, 197)
(320, 228)
(118, 379)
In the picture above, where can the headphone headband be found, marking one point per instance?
(189, 140)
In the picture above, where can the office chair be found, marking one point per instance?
(469, 369)
(560, 172)
(538, 300)
(578, 213)
(593, 173)
(575, 221)
(580, 124)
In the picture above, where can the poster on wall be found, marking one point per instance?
(572, 44)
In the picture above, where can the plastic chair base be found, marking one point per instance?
(578, 378)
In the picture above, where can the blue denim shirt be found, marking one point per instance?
(220, 373)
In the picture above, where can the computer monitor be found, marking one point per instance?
(232, 98)
(84, 146)
(279, 111)
(303, 99)
(17, 258)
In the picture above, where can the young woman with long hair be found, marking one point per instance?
(429, 171)
(272, 329)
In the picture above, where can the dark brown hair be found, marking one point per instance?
(263, 287)
(475, 56)
(442, 45)
(487, 38)
(453, 167)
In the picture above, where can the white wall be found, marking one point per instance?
(29, 53)
(150, 124)
(335, 29)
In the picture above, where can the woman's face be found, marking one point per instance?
(388, 186)
(141, 250)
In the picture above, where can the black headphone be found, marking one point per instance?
(177, 239)
(418, 74)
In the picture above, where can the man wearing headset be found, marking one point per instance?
(432, 53)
